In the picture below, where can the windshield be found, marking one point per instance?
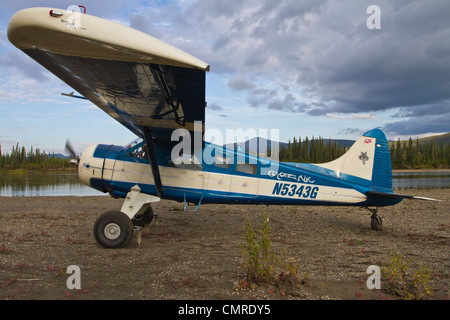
(133, 143)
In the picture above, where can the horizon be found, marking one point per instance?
(63, 153)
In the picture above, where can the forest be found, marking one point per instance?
(406, 154)
(32, 160)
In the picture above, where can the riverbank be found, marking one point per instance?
(198, 255)
(422, 170)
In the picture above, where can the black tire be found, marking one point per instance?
(113, 229)
(144, 219)
(376, 223)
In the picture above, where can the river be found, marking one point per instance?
(29, 184)
(67, 184)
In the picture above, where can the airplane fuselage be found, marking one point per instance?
(255, 180)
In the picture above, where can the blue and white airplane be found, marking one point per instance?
(154, 89)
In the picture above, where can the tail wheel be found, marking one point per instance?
(376, 222)
(113, 229)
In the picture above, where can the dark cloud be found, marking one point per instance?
(275, 100)
(325, 47)
(352, 131)
(419, 120)
(419, 125)
(215, 107)
(321, 55)
(240, 84)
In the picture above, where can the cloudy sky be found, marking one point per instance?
(305, 67)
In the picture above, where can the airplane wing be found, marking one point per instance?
(140, 81)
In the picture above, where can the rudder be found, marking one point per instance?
(382, 168)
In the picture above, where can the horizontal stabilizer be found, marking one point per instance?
(397, 196)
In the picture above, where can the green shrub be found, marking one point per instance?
(400, 283)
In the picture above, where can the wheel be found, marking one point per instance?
(113, 229)
(376, 222)
(143, 219)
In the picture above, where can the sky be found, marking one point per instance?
(301, 67)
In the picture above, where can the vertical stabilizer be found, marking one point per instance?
(367, 162)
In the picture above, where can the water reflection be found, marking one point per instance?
(420, 180)
(14, 184)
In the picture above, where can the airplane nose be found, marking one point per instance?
(90, 167)
(96, 166)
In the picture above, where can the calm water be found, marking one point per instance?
(67, 184)
(420, 180)
(39, 184)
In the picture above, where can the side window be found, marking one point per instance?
(247, 168)
(222, 162)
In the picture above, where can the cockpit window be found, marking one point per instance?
(137, 149)
(133, 143)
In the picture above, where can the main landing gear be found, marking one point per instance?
(375, 220)
(114, 229)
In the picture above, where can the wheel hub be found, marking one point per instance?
(112, 231)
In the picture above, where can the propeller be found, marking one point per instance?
(74, 158)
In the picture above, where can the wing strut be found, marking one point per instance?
(153, 161)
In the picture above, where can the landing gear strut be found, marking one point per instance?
(376, 222)
(114, 229)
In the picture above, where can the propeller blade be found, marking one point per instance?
(71, 150)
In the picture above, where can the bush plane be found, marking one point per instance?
(155, 90)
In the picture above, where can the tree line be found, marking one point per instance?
(313, 150)
(407, 154)
(33, 159)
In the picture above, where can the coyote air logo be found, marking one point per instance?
(363, 157)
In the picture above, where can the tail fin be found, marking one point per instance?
(367, 162)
